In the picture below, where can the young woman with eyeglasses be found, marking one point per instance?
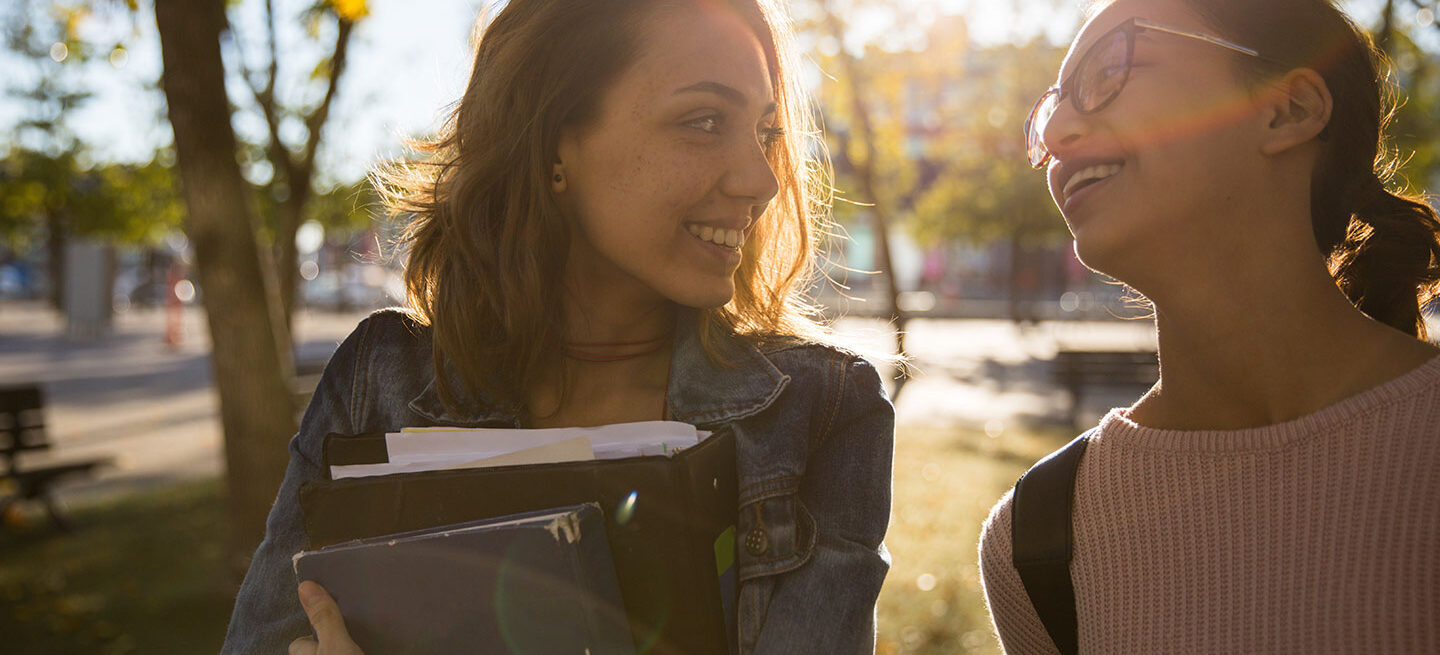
(1278, 490)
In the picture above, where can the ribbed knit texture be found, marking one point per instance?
(1319, 535)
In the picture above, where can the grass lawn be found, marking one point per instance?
(143, 574)
(946, 481)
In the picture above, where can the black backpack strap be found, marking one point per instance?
(1041, 537)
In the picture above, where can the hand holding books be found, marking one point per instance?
(665, 503)
(537, 582)
(324, 614)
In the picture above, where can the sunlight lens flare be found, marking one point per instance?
(1100, 76)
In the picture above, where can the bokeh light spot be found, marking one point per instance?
(185, 291)
(119, 57)
(626, 510)
(997, 117)
(310, 237)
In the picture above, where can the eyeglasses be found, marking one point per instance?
(1099, 77)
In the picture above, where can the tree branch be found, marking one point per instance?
(265, 98)
(315, 122)
(864, 135)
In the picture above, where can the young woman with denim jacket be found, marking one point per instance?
(615, 225)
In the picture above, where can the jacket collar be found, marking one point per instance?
(473, 409)
(700, 392)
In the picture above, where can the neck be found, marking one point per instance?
(587, 322)
(606, 382)
(605, 304)
(1245, 346)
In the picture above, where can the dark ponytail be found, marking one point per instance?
(1389, 261)
(1383, 248)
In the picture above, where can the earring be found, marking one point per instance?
(559, 179)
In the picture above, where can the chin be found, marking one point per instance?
(704, 296)
(1136, 267)
(1099, 252)
(1088, 256)
(710, 301)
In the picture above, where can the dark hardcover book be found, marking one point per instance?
(539, 582)
(669, 520)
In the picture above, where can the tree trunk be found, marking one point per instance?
(300, 171)
(250, 346)
(287, 266)
(1386, 33)
(865, 175)
(1017, 311)
(55, 258)
(341, 266)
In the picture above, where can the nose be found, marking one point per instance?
(1065, 128)
(751, 176)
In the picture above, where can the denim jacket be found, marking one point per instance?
(814, 434)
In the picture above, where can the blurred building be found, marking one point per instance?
(975, 231)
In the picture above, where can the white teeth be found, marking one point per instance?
(1097, 172)
(717, 236)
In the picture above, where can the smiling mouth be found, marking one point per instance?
(725, 238)
(1088, 176)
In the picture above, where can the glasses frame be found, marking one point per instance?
(1066, 89)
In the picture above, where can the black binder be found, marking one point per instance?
(670, 523)
(539, 582)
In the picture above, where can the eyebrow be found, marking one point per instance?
(727, 92)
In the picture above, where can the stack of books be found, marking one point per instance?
(433, 537)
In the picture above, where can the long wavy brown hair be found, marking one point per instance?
(487, 240)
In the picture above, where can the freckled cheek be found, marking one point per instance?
(670, 186)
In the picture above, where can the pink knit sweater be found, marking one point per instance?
(1319, 535)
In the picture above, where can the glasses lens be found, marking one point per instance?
(1035, 127)
(1103, 71)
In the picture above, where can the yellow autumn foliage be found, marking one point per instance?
(350, 10)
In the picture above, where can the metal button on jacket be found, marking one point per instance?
(757, 543)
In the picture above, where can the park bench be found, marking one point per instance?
(22, 430)
(1080, 371)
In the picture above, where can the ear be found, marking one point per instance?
(1297, 109)
(566, 150)
(558, 181)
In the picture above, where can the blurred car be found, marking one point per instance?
(356, 287)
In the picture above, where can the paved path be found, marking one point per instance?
(127, 395)
(154, 409)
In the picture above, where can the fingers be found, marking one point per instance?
(325, 618)
(304, 646)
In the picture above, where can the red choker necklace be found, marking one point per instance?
(613, 351)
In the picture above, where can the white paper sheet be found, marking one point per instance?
(569, 450)
(646, 438)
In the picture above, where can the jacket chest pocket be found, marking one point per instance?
(774, 534)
